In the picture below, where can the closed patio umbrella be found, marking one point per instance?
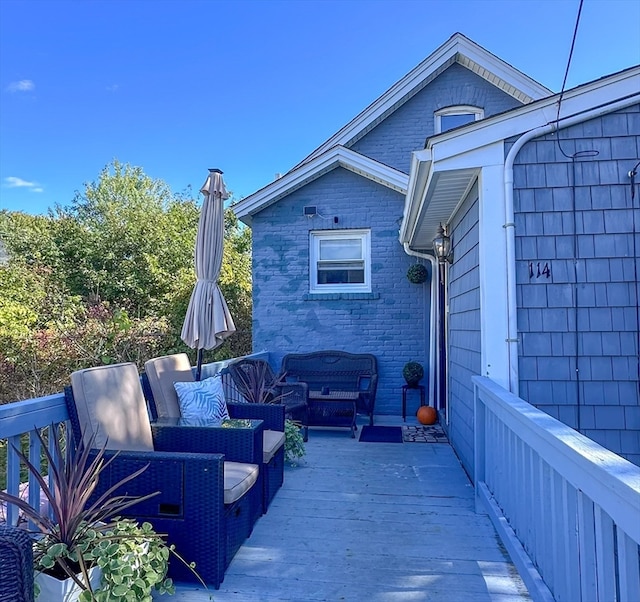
(208, 321)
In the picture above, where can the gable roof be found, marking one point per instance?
(444, 171)
(457, 49)
(338, 156)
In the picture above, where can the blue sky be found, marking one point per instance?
(251, 87)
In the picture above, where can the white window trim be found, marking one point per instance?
(456, 110)
(314, 245)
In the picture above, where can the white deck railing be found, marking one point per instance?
(567, 509)
(19, 422)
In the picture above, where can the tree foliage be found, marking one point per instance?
(107, 279)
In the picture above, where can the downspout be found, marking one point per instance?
(432, 317)
(509, 226)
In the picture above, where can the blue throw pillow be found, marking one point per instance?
(202, 400)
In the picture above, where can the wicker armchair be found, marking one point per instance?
(157, 381)
(205, 504)
(257, 383)
(16, 565)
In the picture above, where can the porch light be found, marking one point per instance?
(442, 246)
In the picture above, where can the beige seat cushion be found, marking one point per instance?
(272, 441)
(162, 372)
(238, 479)
(110, 404)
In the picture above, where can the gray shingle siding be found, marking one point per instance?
(590, 303)
(464, 359)
(391, 323)
(392, 141)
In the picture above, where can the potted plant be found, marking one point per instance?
(413, 373)
(417, 273)
(257, 383)
(294, 441)
(81, 539)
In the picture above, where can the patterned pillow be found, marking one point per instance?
(202, 399)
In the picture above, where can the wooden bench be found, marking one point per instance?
(328, 374)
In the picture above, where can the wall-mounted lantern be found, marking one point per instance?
(442, 246)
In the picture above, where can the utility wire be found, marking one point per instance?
(572, 185)
(566, 74)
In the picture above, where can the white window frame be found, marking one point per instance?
(315, 236)
(477, 112)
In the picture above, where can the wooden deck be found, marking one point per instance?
(376, 522)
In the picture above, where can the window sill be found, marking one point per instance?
(341, 296)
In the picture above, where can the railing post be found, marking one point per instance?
(479, 449)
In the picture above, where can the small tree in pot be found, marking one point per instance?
(413, 373)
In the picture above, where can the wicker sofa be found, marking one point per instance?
(334, 372)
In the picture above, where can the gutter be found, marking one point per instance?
(432, 318)
(509, 226)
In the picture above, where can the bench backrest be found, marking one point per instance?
(337, 369)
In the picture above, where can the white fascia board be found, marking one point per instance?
(336, 157)
(420, 168)
(513, 123)
(503, 70)
(457, 44)
(490, 154)
(373, 170)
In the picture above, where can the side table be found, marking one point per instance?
(405, 388)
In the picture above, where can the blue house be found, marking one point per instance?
(540, 289)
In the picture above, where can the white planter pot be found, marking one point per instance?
(52, 589)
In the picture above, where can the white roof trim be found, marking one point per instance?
(335, 157)
(459, 49)
(522, 119)
(473, 145)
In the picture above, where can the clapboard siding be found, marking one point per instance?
(463, 328)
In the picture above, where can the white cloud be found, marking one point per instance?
(24, 85)
(113, 88)
(13, 182)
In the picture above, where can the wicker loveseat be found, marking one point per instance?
(333, 372)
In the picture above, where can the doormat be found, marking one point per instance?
(424, 434)
(381, 434)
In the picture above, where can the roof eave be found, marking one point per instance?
(307, 173)
(457, 154)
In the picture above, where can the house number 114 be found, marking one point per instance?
(538, 271)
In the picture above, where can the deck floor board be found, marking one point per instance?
(374, 522)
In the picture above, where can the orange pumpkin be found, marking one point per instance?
(427, 415)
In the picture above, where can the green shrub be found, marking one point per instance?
(294, 443)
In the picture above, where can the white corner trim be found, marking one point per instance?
(492, 264)
(335, 157)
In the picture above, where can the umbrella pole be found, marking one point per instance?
(199, 364)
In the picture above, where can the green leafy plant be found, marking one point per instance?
(294, 442)
(134, 560)
(412, 372)
(65, 546)
(417, 273)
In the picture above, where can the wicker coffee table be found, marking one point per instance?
(333, 408)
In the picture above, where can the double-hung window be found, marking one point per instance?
(340, 261)
(453, 117)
